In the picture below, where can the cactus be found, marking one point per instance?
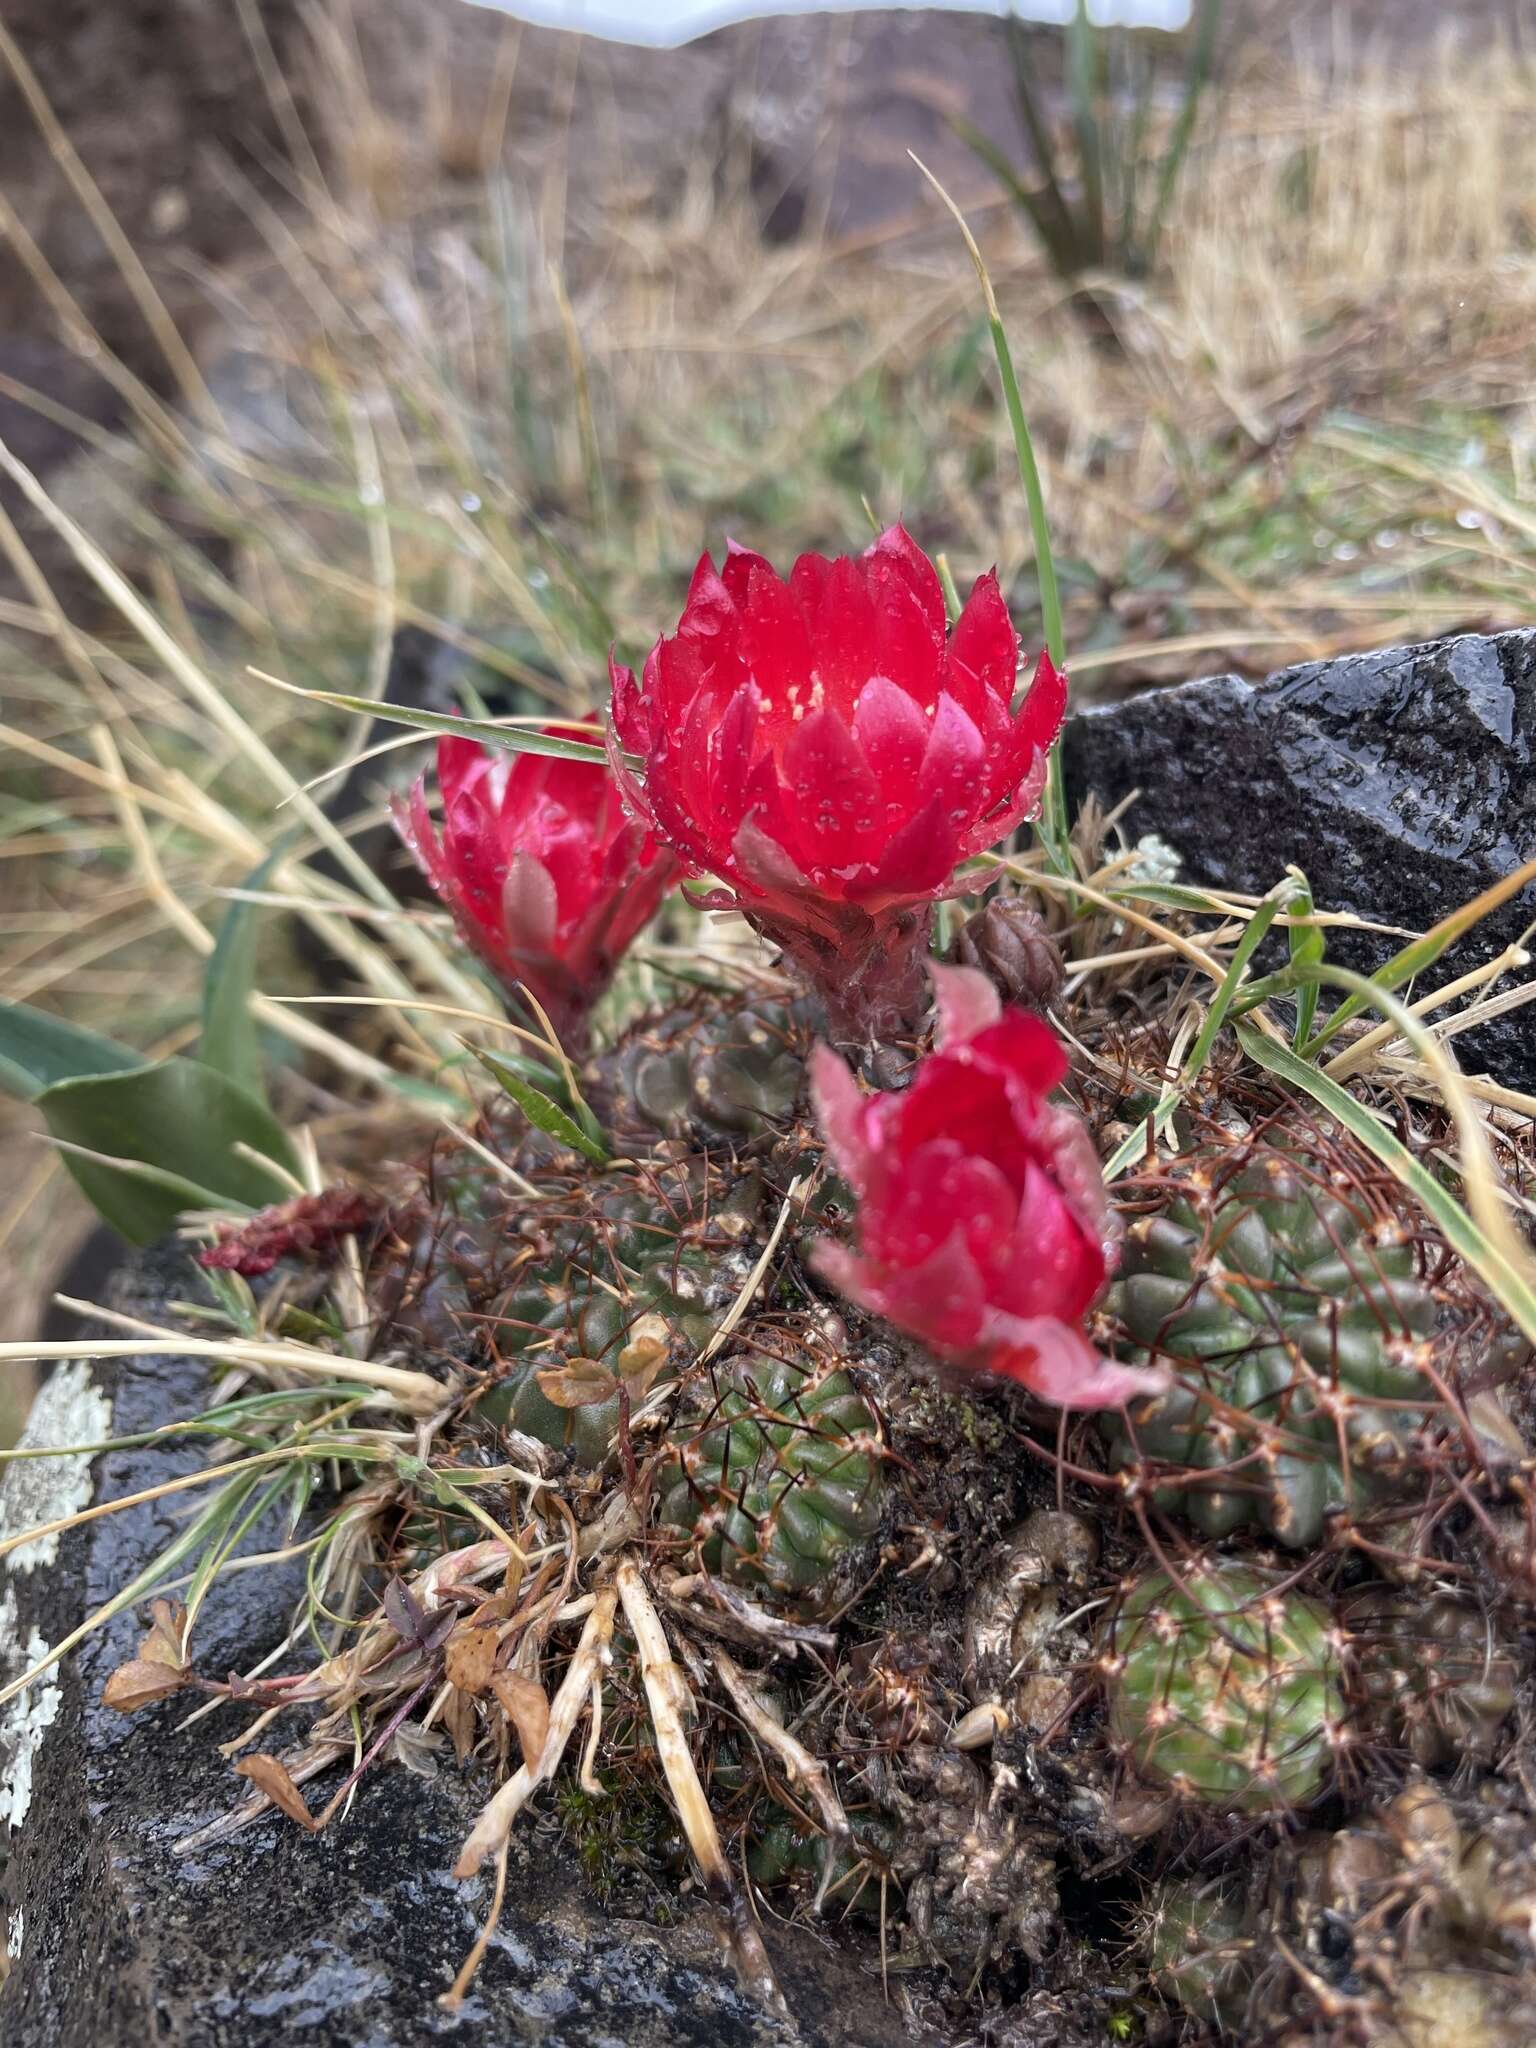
(783, 1852)
(782, 1480)
(730, 1073)
(1432, 1675)
(1224, 1690)
(1200, 1954)
(1292, 1315)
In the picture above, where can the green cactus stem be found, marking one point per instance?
(783, 1480)
(1299, 1333)
(1224, 1690)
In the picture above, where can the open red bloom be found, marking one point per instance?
(547, 878)
(984, 1228)
(826, 748)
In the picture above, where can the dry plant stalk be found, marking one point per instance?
(671, 1705)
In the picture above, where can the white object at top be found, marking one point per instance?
(664, 24)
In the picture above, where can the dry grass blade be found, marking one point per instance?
(800, 1766)
(489, 1835)
(671, 1705)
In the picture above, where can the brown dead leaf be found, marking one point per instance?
(471, 1658)
(581, 1384)
(643, 1356)
(459, 1720)
(166, 1642)
(271, 1777)
(524, 1703)
(140, 1682)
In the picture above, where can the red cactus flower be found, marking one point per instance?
(547, 878)
(825, 749)
(983, 1223)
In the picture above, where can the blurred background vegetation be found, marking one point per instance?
(355, 320)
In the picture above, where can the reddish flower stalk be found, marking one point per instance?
(829, 752)
(547, 878)
(984, 1228)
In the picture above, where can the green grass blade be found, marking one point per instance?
(1423, 952)
(1132, 1147)
(543, 1114)
(1082, 91)
(1054, 824)
(1307, 949)
(1458, 1228)
(1202, 61)
(517, 739)
(1039, 132)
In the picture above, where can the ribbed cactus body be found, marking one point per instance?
(719, 1073)
(781, 1479)
(1434, 1675)
(1296, 1326)
(1223, 1689)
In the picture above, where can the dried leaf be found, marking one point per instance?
(459, 1719)
(404, 1612)
(140, 1682)
(471, 1659)
(271, 1777)
(581, 1384)
(166, 1642)
(644, 1355)
(524, 1703)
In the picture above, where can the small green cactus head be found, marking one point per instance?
(1200, 1954)
(722, 1074)
(1279, 1281)
(779, 1481)
(1430, 1675)
(1224, 1689)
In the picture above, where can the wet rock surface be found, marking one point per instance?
(1402, 782)
(348, 1937)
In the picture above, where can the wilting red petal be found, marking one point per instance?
(540, 863)
(967, 1003)
(1056, 1361)
(840, 1107)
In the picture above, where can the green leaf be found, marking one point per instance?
(543, 1114)
(1307, 949)
(176, 1127)
(519, 739)
(230, 1043)
(37, 1050)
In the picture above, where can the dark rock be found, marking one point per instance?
(1401, 782)
(348, 1937)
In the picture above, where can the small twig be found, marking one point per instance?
(734, 1616)
(801, 1767)
(492, 1829)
